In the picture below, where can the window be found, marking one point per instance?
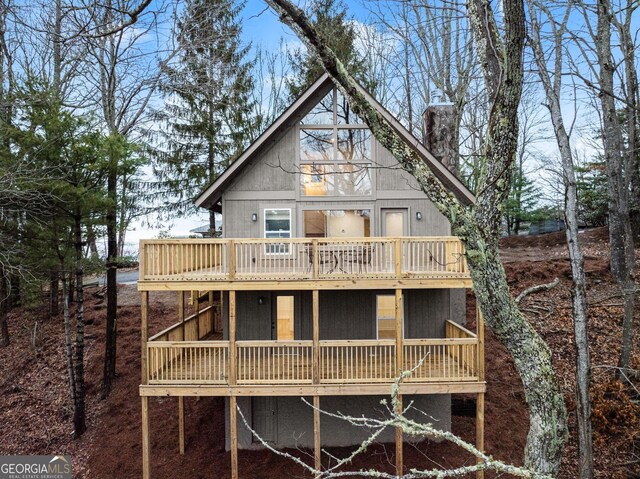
(277, 224)
(335, 180)
(335, 150)
(386, 316)
(354, 145)
(337, 223)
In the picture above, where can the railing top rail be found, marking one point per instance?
(358, 342)
(273, 343)
(295, 240)
(189, 344)
(343, 343)
(439, 341)
(179, 324)
(461, 328)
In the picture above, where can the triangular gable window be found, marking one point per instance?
(334, 150)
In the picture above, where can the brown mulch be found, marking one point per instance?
(35, 412)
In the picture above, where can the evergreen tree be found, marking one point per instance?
(593, 207)
(330, 18)
(207, 111)
(71, 169)
(521, 202)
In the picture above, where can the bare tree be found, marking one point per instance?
(620, 233)
(436, 60)
(550, 71)
(396, 417)
(124, 78)
(499, 50)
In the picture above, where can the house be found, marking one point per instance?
(335, 273)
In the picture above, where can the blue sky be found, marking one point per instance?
(262, 28)
(261, 25)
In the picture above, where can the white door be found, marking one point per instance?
(395, 222)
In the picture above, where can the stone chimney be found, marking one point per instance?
(438, 131)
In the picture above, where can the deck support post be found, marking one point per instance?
(480, 397)
(144, 334)
(480, 334)
(480, 430)
(316, 433)
(233, 429)
(146, 470)
(232, 338)
(197, 306)
(399, 332)
(399, 367)
(181, 313)
(399, 459)
(316, 337)
(181, 424)
(144, 337)
(211, 313)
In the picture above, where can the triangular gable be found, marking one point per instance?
(211, 196)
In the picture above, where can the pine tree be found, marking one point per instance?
(593, 207)
(521, 202)
(338, 32)
(207, 111)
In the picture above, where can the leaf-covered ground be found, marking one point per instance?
(35, 413)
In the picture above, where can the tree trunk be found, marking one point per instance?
(578, 293)
(91, 242)
(54, 282)
(532, 357)
(109, 373)
(72, 289)
(477, 227)
(620, 235)
(79, 422)
(4, 309)
(68, 342)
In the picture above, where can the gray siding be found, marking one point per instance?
(390, 176)
(270, 181)
(271, 171)
(346, 314)
(295, 428)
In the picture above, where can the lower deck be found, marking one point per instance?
(287, 367)
(416, 347)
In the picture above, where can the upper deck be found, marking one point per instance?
(303, 263)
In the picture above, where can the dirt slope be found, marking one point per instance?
(35, 413)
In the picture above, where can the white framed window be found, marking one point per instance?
(277, 224)
(386, 316)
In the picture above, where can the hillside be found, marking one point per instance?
(35, 410)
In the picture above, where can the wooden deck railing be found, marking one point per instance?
(301, 258)
(270, 362)
(451, 359)
(188, 362)
(193, 328)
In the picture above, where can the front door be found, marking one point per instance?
(265, 414)
(395, 222)
(283, 317)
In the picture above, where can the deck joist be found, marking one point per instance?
(314, 390)
(304, 285)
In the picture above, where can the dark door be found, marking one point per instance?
(265, 414)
